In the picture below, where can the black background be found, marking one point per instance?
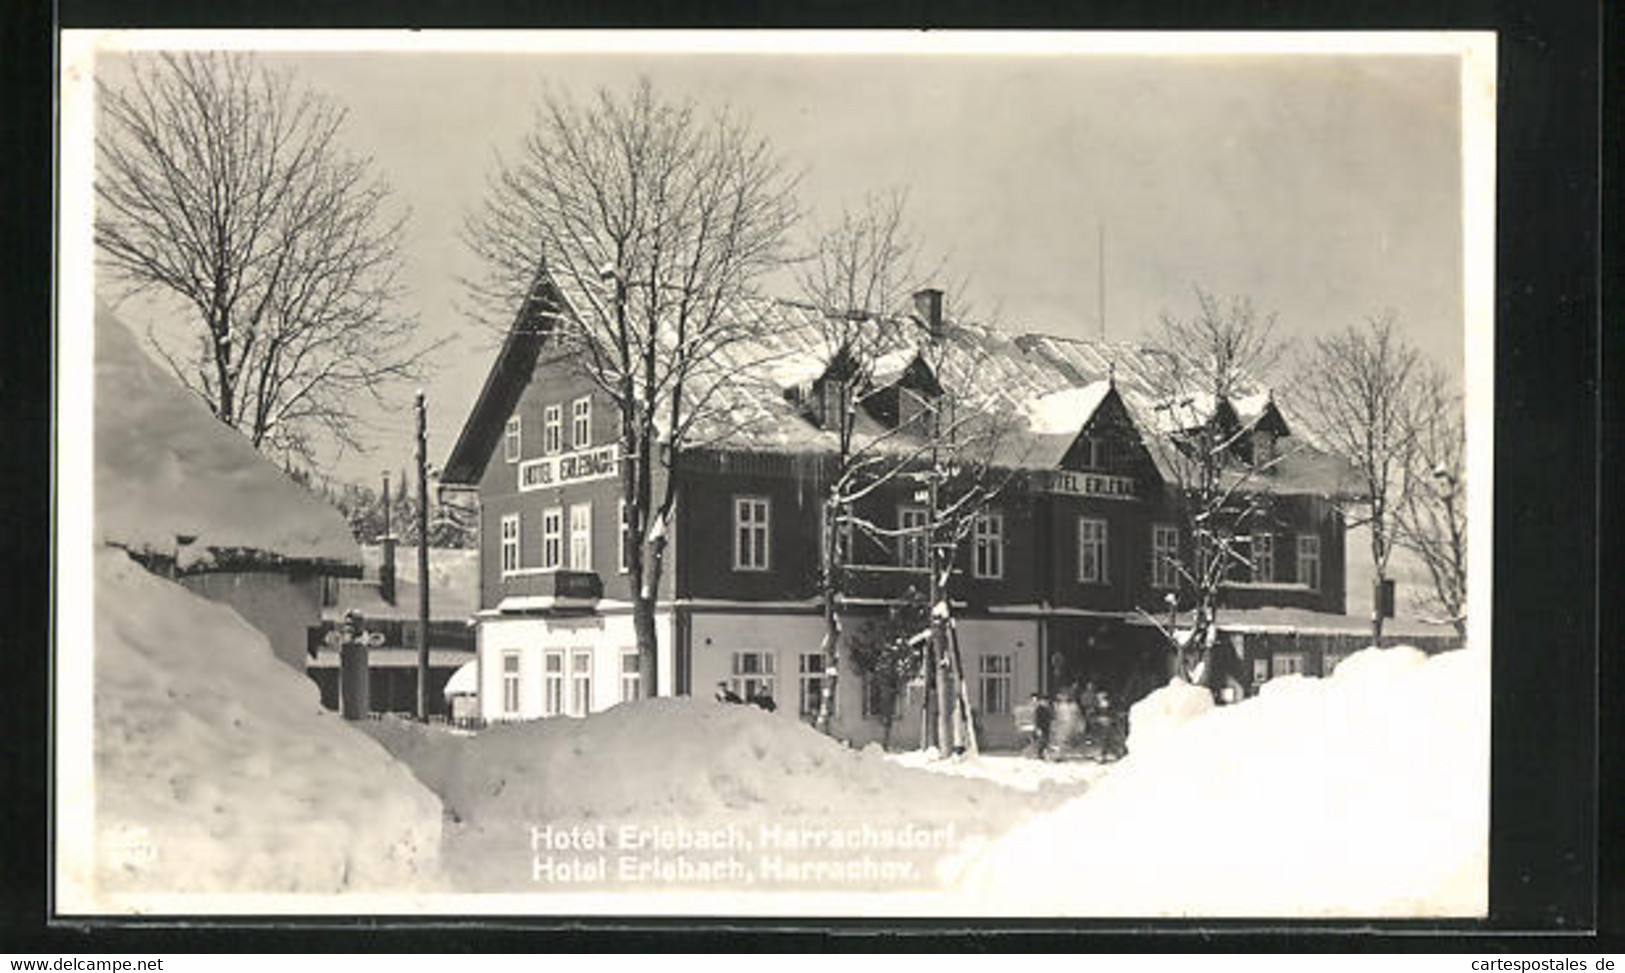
(1556, 865)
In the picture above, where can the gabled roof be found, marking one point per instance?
(751, 387)
(506, 381)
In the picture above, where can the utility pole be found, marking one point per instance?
(423, 561)
(1100, 284)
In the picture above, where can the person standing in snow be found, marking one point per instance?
(726, 695)
(1043, 717)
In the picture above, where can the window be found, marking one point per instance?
(581, 537)
(1309, 561)
(994, 672)
(987, 549)
(1261, 671)
(552, 538)
(1091, 550)
(1264, 558)
(581, 682)
(510, 441)
(1263, 447)
(581, 423)
(876, 702)
(750, 533)
(812, 684)
(553, 683)
(510, 683)
(843, 534)
(1092, 454)
(912, 549)
(631, 679)
(510, 543)
(1164, 556)
(1286, 663)
(832, 402)
(752, 675)
(623, 557)
(552, 429)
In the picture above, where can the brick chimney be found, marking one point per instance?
(928, 308)
(386, 571)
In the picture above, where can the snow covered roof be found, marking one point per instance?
(454, 583)
(465, 681)
(1046, 386)
(1066, 410)
(173, 481)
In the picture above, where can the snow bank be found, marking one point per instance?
(674, 763)
(1365, 794)
(217, 770)
(1154, 719)
(1019, 772)
(166, 468)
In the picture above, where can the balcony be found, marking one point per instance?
(559, 593)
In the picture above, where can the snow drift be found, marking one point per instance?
(1154, 719)
(166, 469)
(1365, 794)
(675, 762)
(218, 770)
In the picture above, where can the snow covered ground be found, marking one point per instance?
(670, 768)
(1365, 794)
(1009, 770)
(218, 770)
(1361, 795)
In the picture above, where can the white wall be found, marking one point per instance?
(607, 637)
(718, 636)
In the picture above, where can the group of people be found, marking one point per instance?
(1097, 724)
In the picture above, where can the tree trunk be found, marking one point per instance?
(944, 710)
(643, 627)
(1376, 610)
(829, 648)
(1379, 560)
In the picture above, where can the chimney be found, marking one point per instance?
(928, 308)
(386, 572)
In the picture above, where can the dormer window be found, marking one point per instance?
(1264, 447)
(830, 401)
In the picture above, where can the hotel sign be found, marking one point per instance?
(1091, 485)
(597, 463)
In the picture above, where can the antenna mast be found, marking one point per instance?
(1100, 287)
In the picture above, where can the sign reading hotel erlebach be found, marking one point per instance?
(595, 463)
(1091, 484)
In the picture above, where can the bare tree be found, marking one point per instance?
(1222, 491)
(859, 277)
(887, 653)
(1359, 390)
(225, 187)
(1431, 516)
(654, 220)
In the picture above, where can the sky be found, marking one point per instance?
(1327, 188)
